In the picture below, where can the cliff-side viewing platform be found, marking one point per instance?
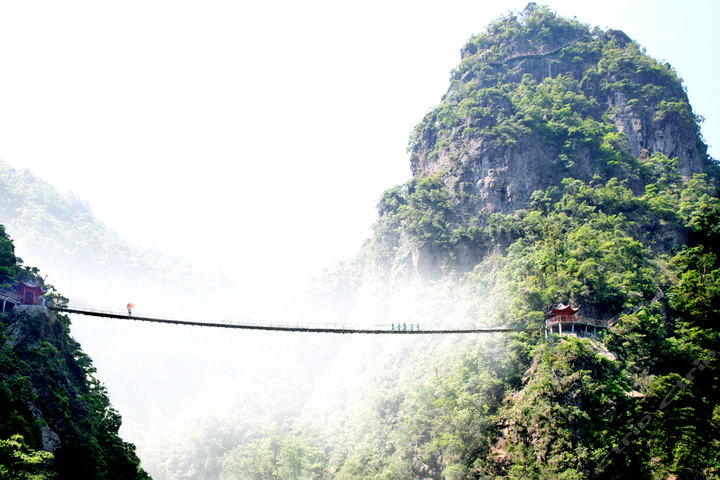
(564, 320)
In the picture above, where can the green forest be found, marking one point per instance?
(563, 165)
(558, 125)
(57, 421)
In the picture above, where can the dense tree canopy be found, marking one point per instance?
(50, 398)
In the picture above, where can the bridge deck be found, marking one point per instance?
(316, 328)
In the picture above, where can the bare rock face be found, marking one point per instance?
(663, 133)
(494, 147)
(56, 402)
(26, 332)
(497, 179)
(536, 99)
(50, 439)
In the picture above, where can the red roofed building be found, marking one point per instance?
(564, 320)
(31, 291)
(562, 310)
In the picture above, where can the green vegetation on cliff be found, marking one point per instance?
(56, 420)
(537, 100)
(563, 165)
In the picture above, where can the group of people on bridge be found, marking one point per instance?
(403, 327)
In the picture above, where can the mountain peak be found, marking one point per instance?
(537, 100)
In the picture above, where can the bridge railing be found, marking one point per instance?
(392, 326)
(10, 295)
(139, 314)
(576, 319)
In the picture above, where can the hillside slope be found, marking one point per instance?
(563, 166)
(536, 100)
(56, 420)
(83, 255)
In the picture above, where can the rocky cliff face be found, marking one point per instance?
(535, 100)
(621, 89)
(56, 420)
(49, 396)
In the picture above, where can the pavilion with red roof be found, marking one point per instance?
(564, 320)
(31, 291)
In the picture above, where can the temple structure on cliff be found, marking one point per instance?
(27, 291)
(564, 320)
(31, 291)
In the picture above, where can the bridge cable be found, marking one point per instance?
(284, 328)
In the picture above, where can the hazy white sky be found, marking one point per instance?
(258, 136)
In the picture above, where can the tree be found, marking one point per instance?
(20, 462)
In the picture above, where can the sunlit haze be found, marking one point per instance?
(256, 137)
(253, 140)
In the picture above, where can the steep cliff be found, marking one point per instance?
(563, 165)
(535, 100)
(538, 98)
(56, 420)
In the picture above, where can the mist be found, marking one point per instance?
(257, 140)
(178, 387)
(230, 157)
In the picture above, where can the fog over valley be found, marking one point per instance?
(545, 170)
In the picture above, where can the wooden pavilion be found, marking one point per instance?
(564, 320)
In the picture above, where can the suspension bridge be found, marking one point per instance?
(393, 329)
